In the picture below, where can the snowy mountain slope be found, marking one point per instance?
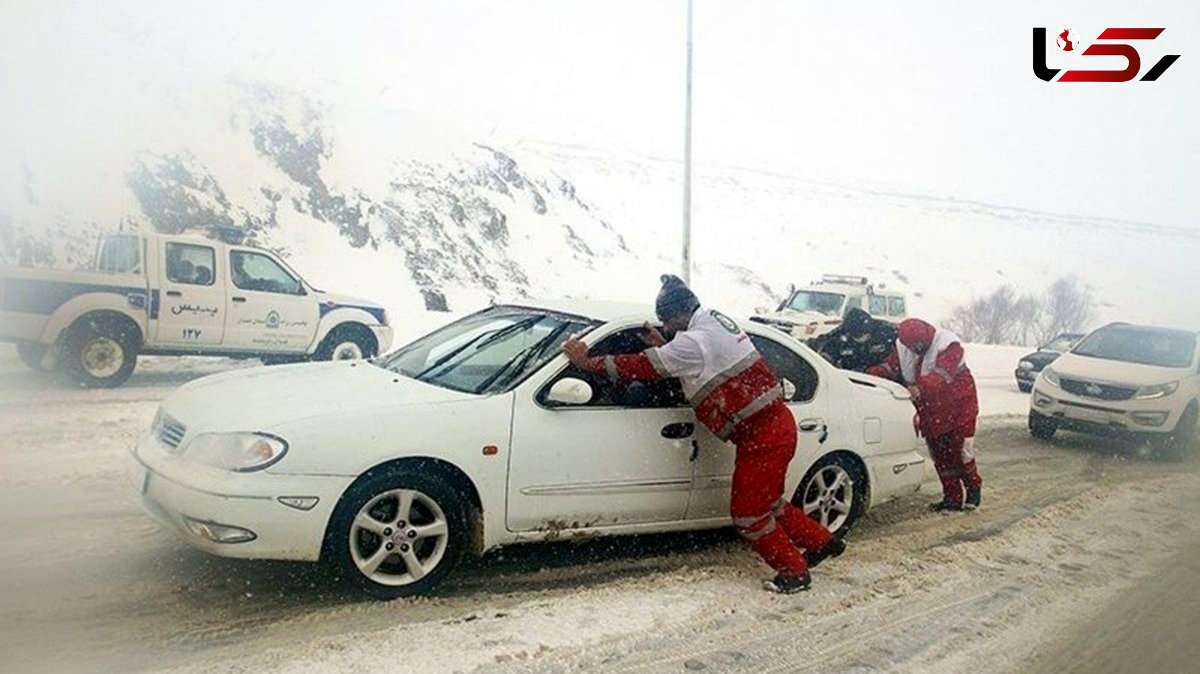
(389, 205)
(942, 251)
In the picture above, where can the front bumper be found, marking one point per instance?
(383, 336)
(1026, 376)
(1125, 418)
(175, 493)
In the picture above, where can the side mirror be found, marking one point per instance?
(569, 391)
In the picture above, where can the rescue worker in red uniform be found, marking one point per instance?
(930, 362)
(737, 397)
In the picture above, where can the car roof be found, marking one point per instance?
(600, 310)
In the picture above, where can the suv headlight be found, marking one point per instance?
(239, 452)
(1025, 365)
(1156, 391)
(1051, 377)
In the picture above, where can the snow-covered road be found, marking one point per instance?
(89, 583)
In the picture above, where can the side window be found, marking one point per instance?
(657, 394)
(896, 306)
(191, 264)
(789, 367)
(854, 302)
(120, 255)
(878, 305)
(258, 272)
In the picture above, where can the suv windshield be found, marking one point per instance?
(1164, 348)
(487, 352)
(829, 304)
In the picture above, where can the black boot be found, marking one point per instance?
(945, 506)
(973, 498)
(788, 584)
(833, 548)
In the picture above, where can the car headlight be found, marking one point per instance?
(1156, 391)
(239, 452)
(1050, 377)
(1025, 365)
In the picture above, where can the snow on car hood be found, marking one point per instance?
(263, 397)
(799, 317)
(1115, 371)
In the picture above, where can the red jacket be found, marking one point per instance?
(933, 361)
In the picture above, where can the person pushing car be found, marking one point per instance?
(930, 362)
(859, 342)
(737, 397)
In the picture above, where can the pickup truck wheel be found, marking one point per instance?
(31, 355)
(348, 342)
(398, 533)
(99, 353)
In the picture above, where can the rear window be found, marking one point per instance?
(1163, 348)
(896, 306)
(878, 305)
(120, 255)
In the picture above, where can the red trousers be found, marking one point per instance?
(954, 459)
(773, 526)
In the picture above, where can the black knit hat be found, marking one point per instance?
(857, 321)
(675, 298)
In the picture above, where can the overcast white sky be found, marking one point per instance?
(933, 97)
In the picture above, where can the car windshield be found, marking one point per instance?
(1062, 343)
(1164, 348)
(487, 352)
(829, 304)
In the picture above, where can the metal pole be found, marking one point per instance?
(687, 159)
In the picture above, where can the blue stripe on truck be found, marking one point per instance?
(35, 296)
(376, 312)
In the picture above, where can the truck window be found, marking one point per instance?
(258, 272)
(878, 305)
(191, 264)
(120, 255)
(896, 306)
(855, 302)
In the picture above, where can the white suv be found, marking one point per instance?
(1128, 381)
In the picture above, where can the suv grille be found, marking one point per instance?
(1096, 390)
(170, 432)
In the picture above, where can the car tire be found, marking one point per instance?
(835, 480)
(1024, 387)
(32, 354)
(1041, 426)
(1179, 442)
(369, 519)
(99, 352)
(348, 342)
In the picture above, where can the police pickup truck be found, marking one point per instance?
(178, 295)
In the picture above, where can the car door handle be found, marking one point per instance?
(238, 299)
(814, 426)
(174, 293)
(678, 431)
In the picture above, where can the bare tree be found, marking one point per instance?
(1004, 317)
(1069, 307)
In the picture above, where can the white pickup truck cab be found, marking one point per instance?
(816, 310)
(178, 295)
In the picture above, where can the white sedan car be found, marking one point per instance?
(481, 435)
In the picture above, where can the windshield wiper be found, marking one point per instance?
(523, 358)
(479, 341)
